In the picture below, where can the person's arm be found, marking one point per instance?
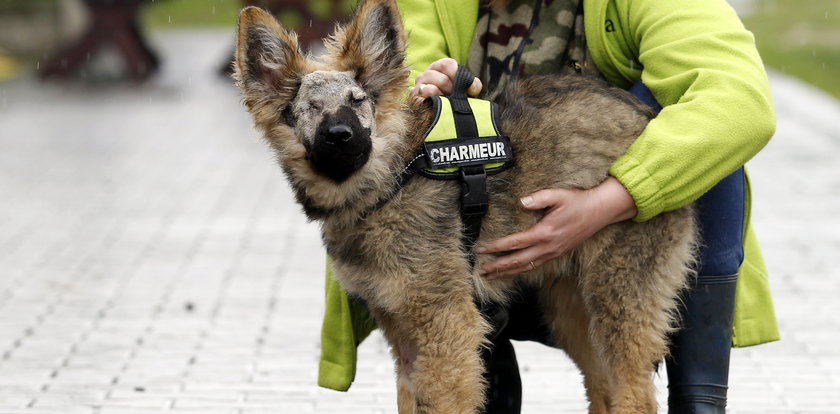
(437, 29)
(702, 66)
(426, 40)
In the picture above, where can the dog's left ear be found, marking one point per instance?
(372, 46)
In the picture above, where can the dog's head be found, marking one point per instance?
(325, 120)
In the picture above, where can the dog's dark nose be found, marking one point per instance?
(341, 145)
(339, 134)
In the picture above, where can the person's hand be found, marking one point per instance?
(571, 217)
(437, 80)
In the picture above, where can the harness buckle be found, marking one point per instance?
(473, 191)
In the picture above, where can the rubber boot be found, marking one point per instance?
(521, 320)
(504, 387)
(698, 365)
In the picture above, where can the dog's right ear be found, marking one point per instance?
(269, 63)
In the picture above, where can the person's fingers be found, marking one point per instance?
(475, 88)
(515, 264)
(428, 89)
(443, 87)
(432, 76)
(415, 91)
(449, 67)
(543, 198)
(514, 241)
(438, 79)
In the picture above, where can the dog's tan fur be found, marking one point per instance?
(609, 303)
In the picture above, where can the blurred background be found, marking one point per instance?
(94, 40)
(152, 258)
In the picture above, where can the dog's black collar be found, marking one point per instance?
(417, 162)
(314, 212)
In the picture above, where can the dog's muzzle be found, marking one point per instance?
(341, 147)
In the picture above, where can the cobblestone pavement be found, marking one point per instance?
(152, 259)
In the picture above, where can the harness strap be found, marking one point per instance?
(463, 81)
(473, 178)
(473, 207)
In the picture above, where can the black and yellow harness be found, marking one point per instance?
(464, 142)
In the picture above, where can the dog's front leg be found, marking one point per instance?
(405, 354)
(437, 345)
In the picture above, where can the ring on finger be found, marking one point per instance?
(420, 88)
(531, 263)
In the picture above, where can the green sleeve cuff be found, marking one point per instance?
(337, 367)
(646, 192)
(335, 376)
(347, 323)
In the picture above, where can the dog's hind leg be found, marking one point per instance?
(629, 346)
(569, 321)
(630, 292)
(444, 337)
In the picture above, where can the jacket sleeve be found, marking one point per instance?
(426, 40)
(701, 64)
(437, 29)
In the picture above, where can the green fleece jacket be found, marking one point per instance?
(699, 62)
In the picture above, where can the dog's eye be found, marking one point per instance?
(314, 106)
(357, 100)
(289, 116)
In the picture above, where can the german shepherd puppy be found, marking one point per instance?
(343, 131)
